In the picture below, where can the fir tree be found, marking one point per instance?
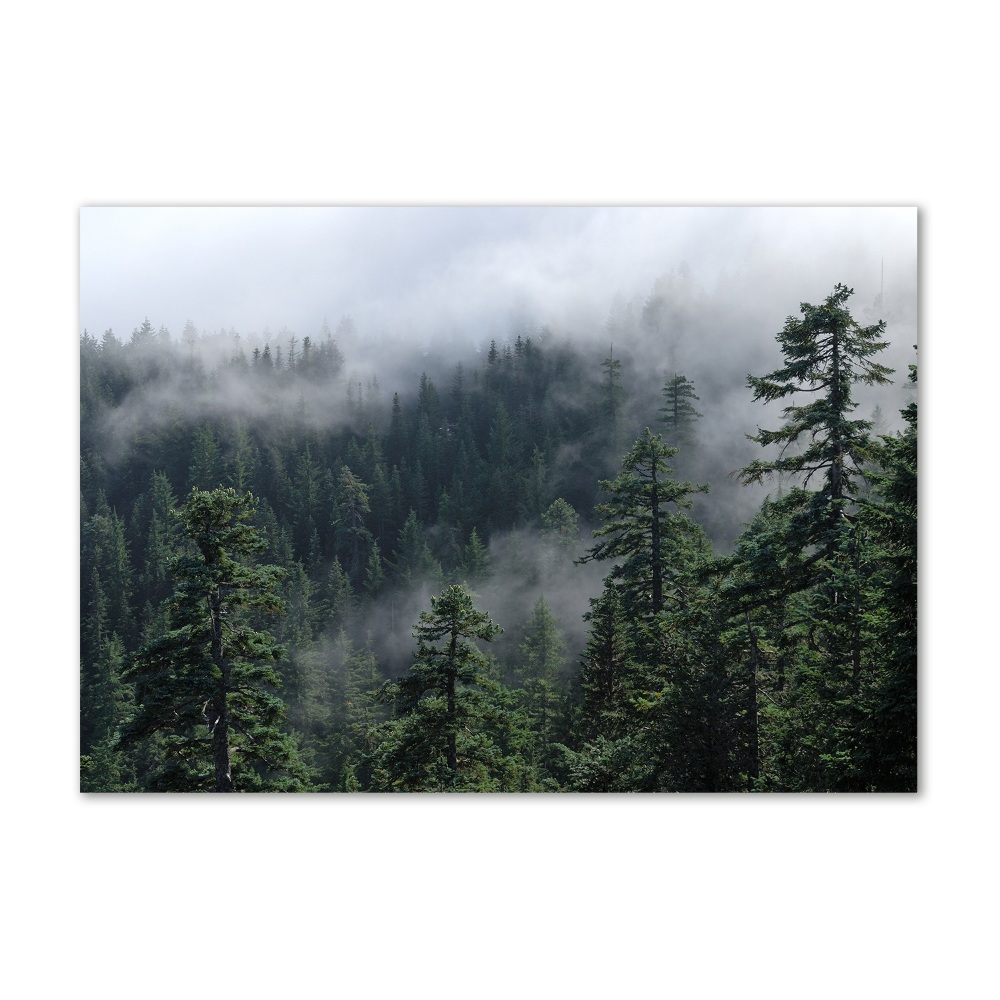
(678, 414)
(438, 739)
(209, 684)
(540, 665)
(822, 552)
(890, 517)
(652, 546)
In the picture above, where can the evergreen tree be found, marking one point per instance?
(607, 758)
(540, 666)
(205, 472)
(678, 414)
(105, 705)
(502, 456)
(412, 560)
(243, 460)
(209, 683)
(890, 519)
(613, 400)
(107, 579)
(310, 487)
(475, 564)
(696, 727)
(610, 670)
(561, 524)
(163, 539)
(822, 552)
(360, 715)
(438, 739)
(826, 353)
(354, 540)
(761, 646)
(340, 602)
(374, 578)
(652, 546)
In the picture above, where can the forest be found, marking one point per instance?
(495, 570)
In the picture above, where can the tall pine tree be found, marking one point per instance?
(208, 683)
(824, 559)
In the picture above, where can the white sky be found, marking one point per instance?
(426, 270)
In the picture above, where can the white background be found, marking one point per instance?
(303, 103)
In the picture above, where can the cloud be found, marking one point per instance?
(429, 272)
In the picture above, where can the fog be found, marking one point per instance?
(703, 291)
(407, 291)
(471, 273)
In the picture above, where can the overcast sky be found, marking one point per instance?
(472, 271)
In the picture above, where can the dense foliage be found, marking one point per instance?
(323, 609)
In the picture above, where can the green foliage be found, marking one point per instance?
(606, 765)
(611, 671)
(890, 517)
(208, 684)
(612, 398)
(107, 578)
(808, 567)
(561, 524)
(353, 538)
(206, 465)
(654, 549)
(413, 560)
(678, 414)
(475, 561)
(541, 674)
(452, 728)
(788, 665)
(105, 706)
(826, 353)
(666, 721)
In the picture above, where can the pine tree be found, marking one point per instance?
(560, 525)
(475, 562)
(540, 666)
(105, 563)
(695, 729)
(205, 471)
(678, 414)
(613, 400)
(826, 353)
(339, 602)
(163, 538)
(502, 489)
(607, 757)
(657, 553)
(761, 646)
(438, 739)
(822, 553)
(609, 667)
(353, 539)
(374, 577)
(412, 559)
(890, 517)
(208, 683)
(652, 546)
(105, 705)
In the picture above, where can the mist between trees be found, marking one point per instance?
(670, 606)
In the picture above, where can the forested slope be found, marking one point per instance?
(498, 571)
